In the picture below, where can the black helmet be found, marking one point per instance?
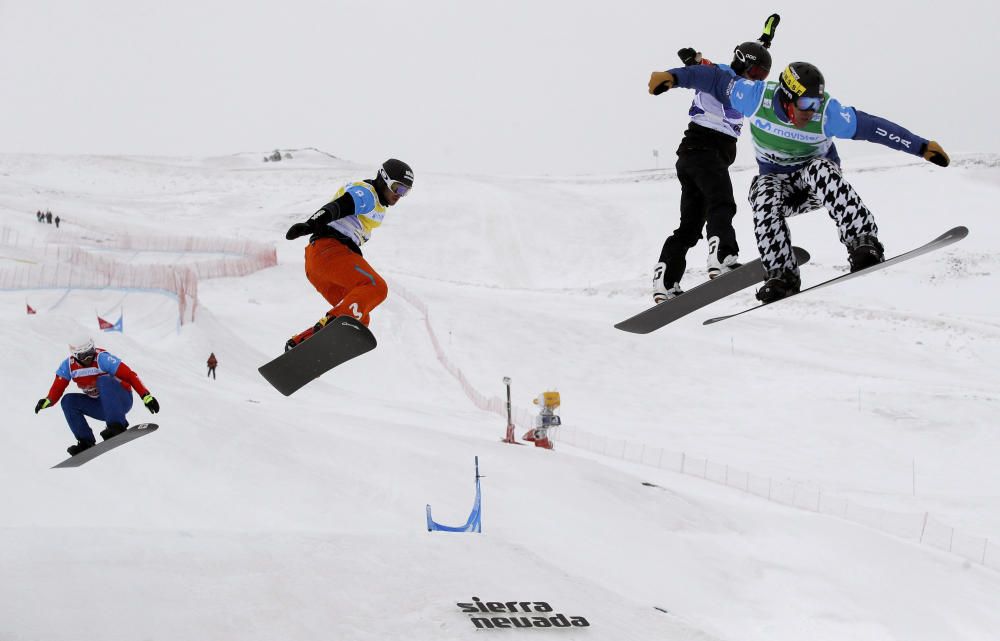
(752, 60)
(799, 80)
(396, 175)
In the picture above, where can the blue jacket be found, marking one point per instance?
(839, 121)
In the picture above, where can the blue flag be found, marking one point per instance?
(475, 521)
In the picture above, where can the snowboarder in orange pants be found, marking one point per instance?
(334, 264)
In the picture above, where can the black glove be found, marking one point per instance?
(316, 222)
(150, 403)
(41, 404)
(298, 229)
(689, 56)
(770, 26)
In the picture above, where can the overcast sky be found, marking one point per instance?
(515, 86)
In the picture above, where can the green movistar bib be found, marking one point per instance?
(780, 143)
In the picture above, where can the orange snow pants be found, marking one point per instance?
(344, 278)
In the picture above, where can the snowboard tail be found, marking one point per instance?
(342, 339)
(655, 317)
(951, 236)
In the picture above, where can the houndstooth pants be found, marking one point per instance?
(822, 184)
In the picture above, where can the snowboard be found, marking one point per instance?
(342, 339)
(130, 434)
(707, 293)
(945, 239)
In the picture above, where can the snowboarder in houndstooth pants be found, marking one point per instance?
(793, 122)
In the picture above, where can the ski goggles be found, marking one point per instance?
(86, 356)
(394, 186)
(808, 103)
(756, 72)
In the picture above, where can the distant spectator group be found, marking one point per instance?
(46, 217)
(278, 156)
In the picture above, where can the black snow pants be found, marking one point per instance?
(703, 160)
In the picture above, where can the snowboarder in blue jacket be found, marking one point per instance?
(703, 160)
(106, 384)
(793, 122)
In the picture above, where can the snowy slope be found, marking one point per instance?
(259, 516)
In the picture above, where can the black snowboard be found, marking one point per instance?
(130, 434)
(707, 293)
(951, 236)
(342, 339)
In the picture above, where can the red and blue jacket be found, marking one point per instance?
(105, 364)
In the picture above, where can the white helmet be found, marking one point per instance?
(81, 347)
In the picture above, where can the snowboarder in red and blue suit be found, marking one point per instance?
(107, 385)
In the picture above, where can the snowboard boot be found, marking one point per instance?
(112, 430)
(864, 252)
(296, 340)
(663, 292)
(716, 266)
(781, 286)
(80, 446)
